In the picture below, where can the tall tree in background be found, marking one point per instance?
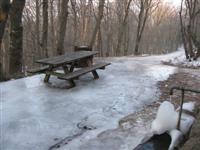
(144, 9)
(52, 28)
(45, 26)
(4, 10)
(37, 29)
(74, 11)
(188, 21)
(98, 22)
(62, 26)
(122, 27)
(16, 38)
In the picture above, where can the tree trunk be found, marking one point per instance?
(98, 22)
(16, 38)
(73, 3)
(4, 10)
(143, 15)
(37, 30)
(122, 29)
(53, 39)
(45, 28)
(189, 35)
(183, 34)
(62, 26)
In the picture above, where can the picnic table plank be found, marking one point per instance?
(85, 70)
(67, 58)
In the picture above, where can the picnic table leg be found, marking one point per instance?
(71, 82)
(47, 76)
(66, 70)
(89, 63)
(95, 74)
(71, 68)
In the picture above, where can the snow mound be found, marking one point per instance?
(181, 61)
(162, 123)
(189, 106)
(166, 121)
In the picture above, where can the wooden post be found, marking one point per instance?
(181, 108)
(66, 70)
(48, 74)
(95, 74)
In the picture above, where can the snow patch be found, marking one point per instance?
(181, 60)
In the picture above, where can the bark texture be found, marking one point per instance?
(45, 28)
(4, 10)
(16, 38)
(145, 6)
(98, 22)
(62, 26)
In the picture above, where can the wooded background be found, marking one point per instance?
(34, 29)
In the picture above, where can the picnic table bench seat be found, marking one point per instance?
(77, 73)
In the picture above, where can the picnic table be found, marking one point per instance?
(68, 62)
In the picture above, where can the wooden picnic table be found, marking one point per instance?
(67, 58)
(68, 62)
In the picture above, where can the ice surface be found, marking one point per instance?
(34, 115)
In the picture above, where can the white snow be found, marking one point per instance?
(189, 106)
(167, 119)
(181, 60)
(162, 123)
(34, 115)
(176, 137)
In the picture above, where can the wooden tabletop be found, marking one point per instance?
(67, 58)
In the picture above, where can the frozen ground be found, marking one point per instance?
(35, 116)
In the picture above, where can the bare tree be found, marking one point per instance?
(45, 25)
(52, 28)
(74, 10)
(37, 28)
(4, 10)
(123, 26)
(145, 7)
(98, 22)
(188, 19)
(16, 38)
(62, 26)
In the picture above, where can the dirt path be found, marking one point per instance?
(189, 78)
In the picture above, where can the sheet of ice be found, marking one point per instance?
(35, 115)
